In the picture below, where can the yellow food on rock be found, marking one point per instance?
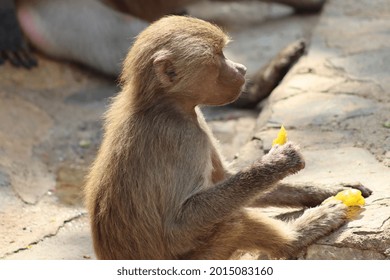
(281, 138)
(350, 197)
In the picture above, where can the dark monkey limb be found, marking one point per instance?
(13, 48)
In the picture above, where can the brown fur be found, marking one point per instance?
(159, 188)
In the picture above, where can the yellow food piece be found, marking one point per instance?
(350, 197)
(281, 138)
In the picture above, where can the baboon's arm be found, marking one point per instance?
(213, 204)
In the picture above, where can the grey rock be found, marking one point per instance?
(22, 225)
(371, 65)
(24, 125)
(319, 109)
(4, 179)
(94, 94)
(326, 252)
(72, 241)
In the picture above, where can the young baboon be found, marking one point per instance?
(159, 188)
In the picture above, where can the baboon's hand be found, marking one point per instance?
(286, 157)
(13, 47)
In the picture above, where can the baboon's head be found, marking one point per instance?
(182, 57)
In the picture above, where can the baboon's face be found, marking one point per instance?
(221, 82)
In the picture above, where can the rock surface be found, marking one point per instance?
(335, 103)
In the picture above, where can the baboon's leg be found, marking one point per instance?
(251, 231)
(262, 83)
(289, 239)
(248, 230)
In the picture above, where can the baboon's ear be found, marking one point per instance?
(163, 66)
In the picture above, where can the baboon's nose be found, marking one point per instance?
(241, 68)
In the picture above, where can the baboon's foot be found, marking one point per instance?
(366, 192)
(316, 223)
(287, 57)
